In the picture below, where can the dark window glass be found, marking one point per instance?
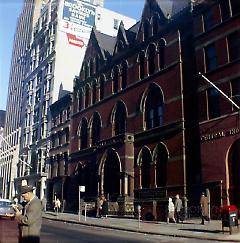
(213, 103)
(162, 54)
(141, 65)
(87, 96)
(234, 46)
(120, 119)
(235, 6)
(151, 59)
(208, 20)
(124, 75)
(80, 101)
(155, 25)
(96, 128)
(102, 81)
(225, 11)
(211, 57)
(83, 134)
(94, 93)
(146, 30)
(236, 91)
(154, 108)
(115, 80)
(145, 168)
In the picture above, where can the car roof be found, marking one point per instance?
(5, 200)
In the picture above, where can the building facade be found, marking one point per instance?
(144, 122)
(59, 149)
(217, 51)
(10, 147)
(57, 48)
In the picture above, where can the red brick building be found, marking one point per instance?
(142, 119)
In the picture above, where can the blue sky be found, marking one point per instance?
(10, 10)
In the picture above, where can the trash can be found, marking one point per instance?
(229, 215)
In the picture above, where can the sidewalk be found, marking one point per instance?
(191, 228)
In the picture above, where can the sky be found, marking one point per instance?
(10, 10)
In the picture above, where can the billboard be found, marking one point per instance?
(78, 18)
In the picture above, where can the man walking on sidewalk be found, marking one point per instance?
(178, 207)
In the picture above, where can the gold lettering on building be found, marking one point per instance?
(219, 134)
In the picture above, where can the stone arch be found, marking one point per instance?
(144, 163)
(109, 171)
(160, 158)
(233, 173)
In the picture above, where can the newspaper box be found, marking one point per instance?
(229, 215)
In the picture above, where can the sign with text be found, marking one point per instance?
(78, 18)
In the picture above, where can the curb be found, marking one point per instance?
(141, 231)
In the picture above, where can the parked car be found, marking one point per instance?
(6, 209)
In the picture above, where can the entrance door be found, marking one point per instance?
(111, 183)
(234, 174)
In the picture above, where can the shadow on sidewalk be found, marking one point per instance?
(203, 231)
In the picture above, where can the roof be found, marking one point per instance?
(172, 7)
(105, 42)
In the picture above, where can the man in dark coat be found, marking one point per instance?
(178, 207)
(31, 220)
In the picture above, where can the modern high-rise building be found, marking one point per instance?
(53, 58)
(11, 134)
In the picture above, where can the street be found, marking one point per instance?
(60, 232)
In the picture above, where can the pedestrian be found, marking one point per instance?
(105, 207)
(170, 211)
(204, 208)
(57, 205)
(44, 204)
(31, 220)
(178, 208)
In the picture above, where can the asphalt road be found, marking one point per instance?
(59, 232)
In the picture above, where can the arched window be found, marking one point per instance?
(97, 59)
(86, 70)
(154, 108)
(91, 67)
(151, 59)
(146, 28)
(115, 79)
(87, 96)
(80, 100)
(161, 159)
(146, 167)
(94, 92)
(141, 61)
(101, 84)
(83, 133)
(120, 46)
(155, 25)
(161, 47)
(124, 74)
(120, 119)
(96, 128)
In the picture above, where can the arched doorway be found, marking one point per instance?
(146, 159)
(234, 173)
(161, 158)
(110, 176)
